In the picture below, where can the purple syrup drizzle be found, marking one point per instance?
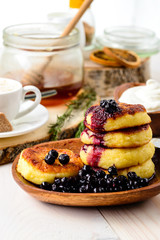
(94, 156)
(99, 117)
(98, 138)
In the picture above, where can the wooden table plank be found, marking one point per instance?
(137, 221)
(22, 217)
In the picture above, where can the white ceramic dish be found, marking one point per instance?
(31, 121)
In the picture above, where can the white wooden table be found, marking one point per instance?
(24, 218)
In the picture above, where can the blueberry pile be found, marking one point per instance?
(53, 154)
(90, 180)
(110, 106)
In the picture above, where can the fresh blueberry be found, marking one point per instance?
(132, 175)
(64, 159)
(57, 181)
(53, 153)
(46, 186)
(100, 174)
(49, 159)
(54, 187)
(87, 168)
(82, 189)
(109, 106)
(112, 170)
(144, 182)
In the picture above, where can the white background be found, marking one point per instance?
(145, 13)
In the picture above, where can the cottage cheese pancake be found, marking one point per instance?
(129, 137)
(33, 167)
(97, 156)
(128, 115)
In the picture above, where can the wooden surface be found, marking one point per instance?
(87, 199)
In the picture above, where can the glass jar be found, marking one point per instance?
(34, 54)
(141, 40)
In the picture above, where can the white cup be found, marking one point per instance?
(12, 95)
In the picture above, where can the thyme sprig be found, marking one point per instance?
(83, 101)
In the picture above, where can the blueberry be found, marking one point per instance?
(82, 181)
(89, 188)
(130, 182)
(107, 176)
(112, 170)
(64, 181)
(49, 159)
(115, 189)
(82, 189)
(100, 189)
(64, 159)
(73, 189)
(54, 187)
(120, 188)
(94, 181)
(109, 182)
(102, 182)
(115, 181)
(122, 178)
(135, 184)
(96, 190)
(103, 103)
(60, 188)
(81, 173)
(111, 189)
(100, 173)
(132, 175)
(128, 187)
(57, 181)
(144, 182)
(88, 177)
(87, 168)
(46, 186)
(72, 181)
(53, 153)
(109, 106)
(66, 189)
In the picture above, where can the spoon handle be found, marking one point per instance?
(76, 18)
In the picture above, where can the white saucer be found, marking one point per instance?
(28, 123)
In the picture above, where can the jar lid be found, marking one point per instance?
(140, 40)
(39, 36)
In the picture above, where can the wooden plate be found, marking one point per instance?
(88, 199)
(155, 116)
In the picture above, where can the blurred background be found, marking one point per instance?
(107, 13)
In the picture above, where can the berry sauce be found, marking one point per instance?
(94, 156)
(98, 138)
(99, 117)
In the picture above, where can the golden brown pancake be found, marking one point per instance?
(97, 156)
(128, 115)
(128, 137)
(33, 167)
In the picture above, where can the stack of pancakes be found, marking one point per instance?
(122, 138)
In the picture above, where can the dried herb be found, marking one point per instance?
(82, 102)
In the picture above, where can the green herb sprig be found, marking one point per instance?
(82, 102)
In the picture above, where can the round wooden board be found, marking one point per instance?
(88, 199)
